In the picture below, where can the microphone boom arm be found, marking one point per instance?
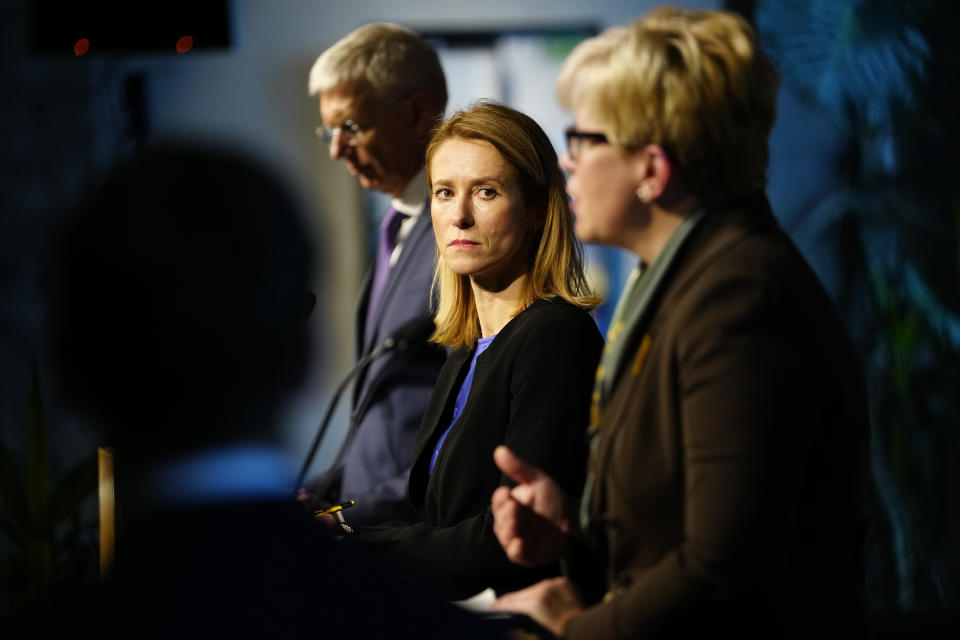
(367, 359)
(414, 331)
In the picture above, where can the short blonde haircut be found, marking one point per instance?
(390, 59)
(696, 83)
(556, 262)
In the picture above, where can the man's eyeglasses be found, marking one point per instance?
(350, 133)
(575, 140)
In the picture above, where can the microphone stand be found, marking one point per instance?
(387, 345)
(414, 331)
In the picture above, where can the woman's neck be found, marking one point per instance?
(661, 222)
(495, 308)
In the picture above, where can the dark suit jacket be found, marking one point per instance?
(392, 392)
(531, 391)
(731, 458)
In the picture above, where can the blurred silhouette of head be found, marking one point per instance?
(177, 313)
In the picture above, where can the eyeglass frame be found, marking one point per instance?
(348, 127)
(572, 134)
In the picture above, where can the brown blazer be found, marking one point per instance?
(731, 454)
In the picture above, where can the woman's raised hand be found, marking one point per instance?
(531, 520)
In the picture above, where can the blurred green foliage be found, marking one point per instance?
(887, 71)
(52, 541)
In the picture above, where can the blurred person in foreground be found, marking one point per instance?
(515, 308)
(381, 92)
(178, 321)
(729, 421)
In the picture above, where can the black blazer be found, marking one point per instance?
(531, 391)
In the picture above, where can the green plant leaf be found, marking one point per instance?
(870, 203)
(13, 494)
(38, 456)
(846, 53)
(39, 567)
(822, 218)
(14, 532)
(944, 324)
(74, 487)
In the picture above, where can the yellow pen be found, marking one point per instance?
(335, 508)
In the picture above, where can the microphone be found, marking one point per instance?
(412, 332)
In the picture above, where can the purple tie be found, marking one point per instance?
(385, 246)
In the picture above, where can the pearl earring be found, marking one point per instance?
(643, 193)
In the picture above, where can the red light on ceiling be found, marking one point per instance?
(184, 44)
(81, 47)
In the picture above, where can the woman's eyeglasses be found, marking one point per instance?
(575, 140)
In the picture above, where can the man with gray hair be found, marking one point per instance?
(381, 91)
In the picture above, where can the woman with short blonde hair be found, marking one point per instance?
(695, 83)
(728, 425)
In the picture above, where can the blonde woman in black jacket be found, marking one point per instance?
(515, 308)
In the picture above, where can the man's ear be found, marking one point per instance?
(653, 171)
(424, 113)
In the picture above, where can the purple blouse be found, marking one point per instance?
(482, 345)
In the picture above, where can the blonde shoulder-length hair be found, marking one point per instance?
(556, 260)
